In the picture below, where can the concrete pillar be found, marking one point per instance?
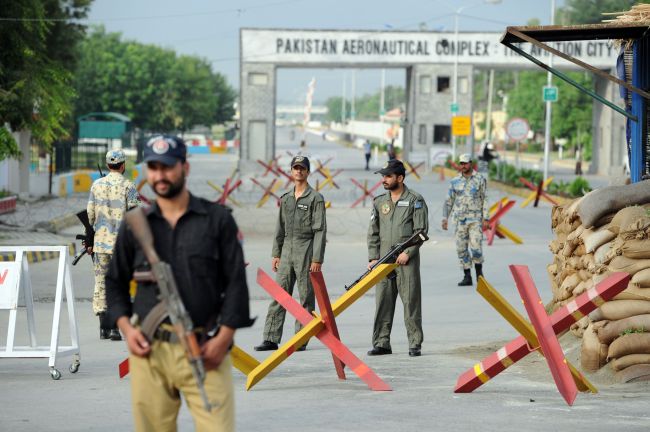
(609, 149)
(429, 90)
(257, 114)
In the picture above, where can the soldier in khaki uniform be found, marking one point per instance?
(395, 216)
(467, 202)
(298, 249)
(110, 197)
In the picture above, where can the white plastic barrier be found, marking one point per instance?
(15, 279)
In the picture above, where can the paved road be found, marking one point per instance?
(303, 392)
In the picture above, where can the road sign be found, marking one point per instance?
(517, 129)
(549, 94)
(461, 126)
(454, 108)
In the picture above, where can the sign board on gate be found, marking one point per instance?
(461, 126)
(517, 129)
(8, 285)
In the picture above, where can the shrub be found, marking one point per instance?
(578, 187)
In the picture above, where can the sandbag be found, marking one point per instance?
(575, 262)
(642, 278)
(574, 236)
(612, 198)
(625, 217)
(570, 211)
(602, 253)
(568, 285)
(579, 289)
(599, 277)
(628, 265)
(639, 230)
(593, 354)
(555, 246)
(634, 292)
(621, 309)
(578, 328)
(604, 220)
(594, 239)
(610, 330)
(635, 373)
(563, 228)
(636, 249)
(630, 360)
(632, 343)
(584, 275)
(569, 248)
(588, 261)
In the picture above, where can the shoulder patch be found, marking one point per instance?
(418, 204)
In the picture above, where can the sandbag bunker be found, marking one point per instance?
(607, 231)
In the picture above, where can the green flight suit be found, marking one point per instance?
(392, 223)
(299, 241)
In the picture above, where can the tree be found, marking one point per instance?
(157, 89)
(590, 11)
(367, 106)
(37, 52)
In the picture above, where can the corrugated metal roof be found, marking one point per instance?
(577, 32)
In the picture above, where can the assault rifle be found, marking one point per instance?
(86, 239)
(170, 297)
(417, 238)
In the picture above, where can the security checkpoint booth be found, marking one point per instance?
(633, 81)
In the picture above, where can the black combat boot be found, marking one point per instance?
(467, 280)
(104, 331)
(479, 270)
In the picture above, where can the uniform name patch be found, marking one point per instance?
(303, 206)
(402, 203)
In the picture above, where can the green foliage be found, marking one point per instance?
(368, 106)
(35, 80)
(8, 146)
(578, 187)
(590, 11)
(510, 175)
(155, 88)
(632, 330)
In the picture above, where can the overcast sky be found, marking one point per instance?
(210, 29)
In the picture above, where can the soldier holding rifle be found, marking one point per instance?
(395, 217)
(110, 197)
(198, 263)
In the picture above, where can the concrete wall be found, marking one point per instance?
(609, 153)
(257, 113)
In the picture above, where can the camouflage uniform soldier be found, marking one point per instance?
(467, 201)
(298, 249)
(110, 197)
(395, 216)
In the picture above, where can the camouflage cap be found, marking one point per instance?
(114, 157)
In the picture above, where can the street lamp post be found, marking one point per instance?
(547, 125)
